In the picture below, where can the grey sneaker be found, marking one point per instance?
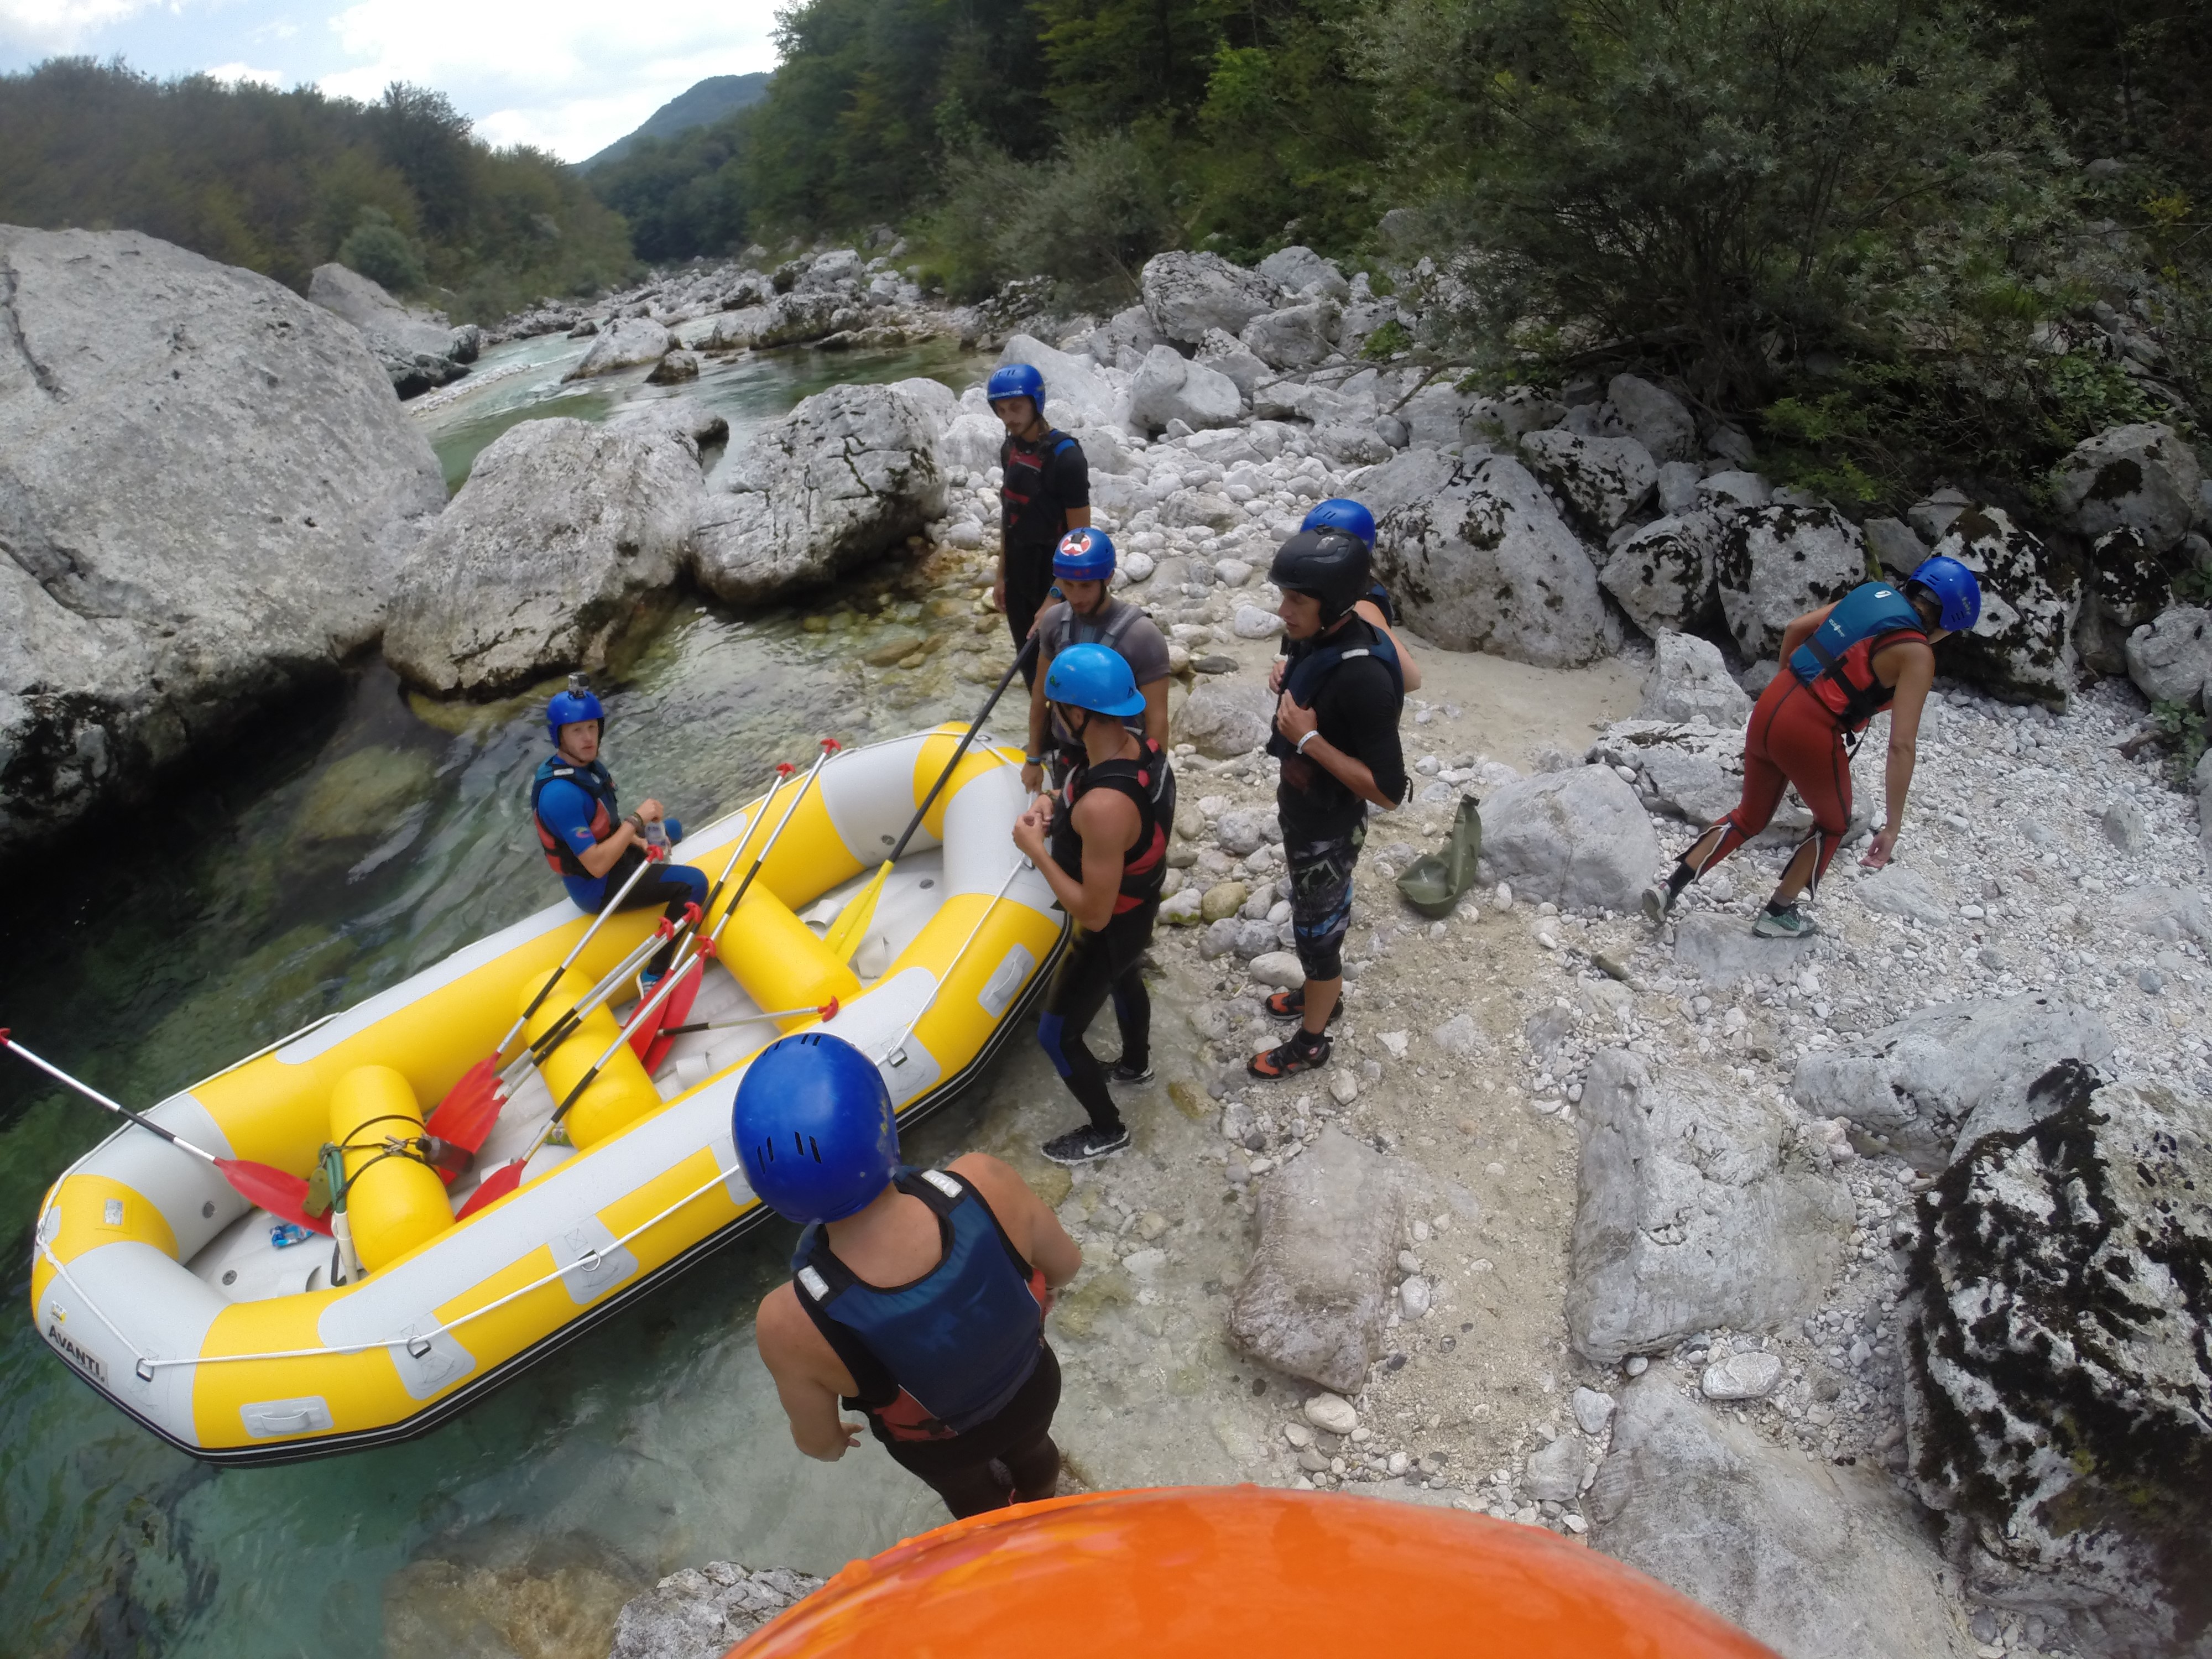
(1792, 923)
(1085, 1144)
(1656, 902)
(1125, 1076)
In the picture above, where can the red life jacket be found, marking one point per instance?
(1150, 782)
(594, 781)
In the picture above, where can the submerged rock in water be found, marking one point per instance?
(701, 1613)
(2058, 1325)
(206, 486)
(541, 561)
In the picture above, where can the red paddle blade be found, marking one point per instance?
(496, 1185)
(674, 1012)
(279, 1193)
(464, 1117)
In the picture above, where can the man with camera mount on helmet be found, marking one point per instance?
(1336, 734)
(1087, 613)
(1044, 492)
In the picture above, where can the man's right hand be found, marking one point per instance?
(1032, 777)
(649, 810)
(999, 591)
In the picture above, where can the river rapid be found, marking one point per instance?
(344, 844)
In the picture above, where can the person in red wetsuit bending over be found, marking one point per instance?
(1872, 649)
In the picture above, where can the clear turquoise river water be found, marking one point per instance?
(344, 845)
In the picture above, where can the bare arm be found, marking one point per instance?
(1079, 518)
(1040, 724)
(1916, 676)
(1156, 710)
(1036, 1230)
(809, 1377)
(1107, 821)
(1371, 613)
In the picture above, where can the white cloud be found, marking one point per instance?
(58, 24)
(570, 75)
(234, 72)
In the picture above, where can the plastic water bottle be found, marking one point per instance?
(656, 838)
(286, 1234)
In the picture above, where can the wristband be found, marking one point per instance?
(1308, 738)
(636, 821)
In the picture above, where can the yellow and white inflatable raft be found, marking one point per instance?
(156, 1283)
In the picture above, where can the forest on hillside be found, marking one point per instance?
(281, 182)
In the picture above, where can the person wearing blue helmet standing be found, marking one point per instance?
(1087, 613)
(1044, 492)
(917, 1296)
(1374, 608)
(1102, 842)
(1842, 665)
(581, 829)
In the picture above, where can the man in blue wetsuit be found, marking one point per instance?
(916, 1296)
(589, 845)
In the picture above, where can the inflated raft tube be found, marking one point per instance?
(153, 1281)
(1196, 1572)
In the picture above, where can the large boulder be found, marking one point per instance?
(1186, 293)
(826, 273)
(1692, 1211)
(1603, 480)
(623, 344)
(1075, 393)
(1662, 575)
(1818, 1560)
(1957, 1066)
(1656, 418)
(1777, 562)
(847, 474)
(1688, 678)
(1579, 838)
(1226, 354)
(2170, 659)
(1296, 336)
(796, 319)
(2023, 644)
(1225, 718)
(1123, 339)
(547, 554)
(1172, 387)
(2058, 1332)
(1723, 953)
(1484, 563)
(1299, 271)
(205, 488)
(1314, 1298)
(418, 350)
(2133, 584)
(2143, 478)
(701, 1613)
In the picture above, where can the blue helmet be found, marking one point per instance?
(570, 707)
(1342, 512)
(1015, 380)
(1955, 585)
(1085, 555)
(1093, 676)
(814, 1128)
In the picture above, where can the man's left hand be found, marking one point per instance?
(1029, 832)
(1293, 719)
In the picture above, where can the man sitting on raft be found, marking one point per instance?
(916, 1296)
(591, 848)
(1871, 650)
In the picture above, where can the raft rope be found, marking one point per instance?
(417, 1345)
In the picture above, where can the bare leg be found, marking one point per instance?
(1321, 1002)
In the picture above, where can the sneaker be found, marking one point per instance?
(1792, 923)
(1303, 1053)
(1085, 1144)
(1130, 1076)
(647, 983)
(1291, 1005)
(1658, 900)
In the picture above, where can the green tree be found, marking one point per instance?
(380, 253)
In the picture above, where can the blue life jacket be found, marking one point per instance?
(1379, 596)
(1309, 668)
(935, 1357)
(594, 781)
(1837, 664)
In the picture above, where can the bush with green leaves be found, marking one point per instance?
(378, 251)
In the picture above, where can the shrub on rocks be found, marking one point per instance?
(1777, 562)
(1577, 838)
(1965, 1065)
(848, 474)
(1484, 563)
(2058, 1328)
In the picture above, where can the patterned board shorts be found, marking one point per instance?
(1320, 898)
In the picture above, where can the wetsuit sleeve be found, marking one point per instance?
(567, 811)
(1070, 483)
(1358, 711)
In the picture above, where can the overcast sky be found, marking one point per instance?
(567, 75)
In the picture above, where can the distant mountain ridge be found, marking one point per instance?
(710, 101)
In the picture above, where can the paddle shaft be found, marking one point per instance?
(97, 1098)
(826, 1010)
(1029, 650)
(574, 950)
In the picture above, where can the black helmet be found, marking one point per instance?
(1331, 565)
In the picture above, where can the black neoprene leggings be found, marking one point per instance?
(674, 885)
(964, 1471)
(1097, 966)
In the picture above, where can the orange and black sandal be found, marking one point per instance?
(1291, 1005)
(1304, 1052)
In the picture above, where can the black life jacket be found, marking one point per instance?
(1837, 664)
(1379, 596)
(1311, 664)
(594, 781)
(1021, 473)
(1148, 780)
(938, 1356)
